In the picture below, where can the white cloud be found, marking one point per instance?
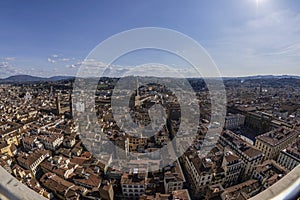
(7, 69)
(76, 65)
(9, 58)
(92, 67)
(4, 65)
(269, 44)
(65, 59)
(55, 58)
(51, 60)
(291, 50)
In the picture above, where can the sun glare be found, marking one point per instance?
(258, 2)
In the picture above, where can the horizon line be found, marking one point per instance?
(238, 76)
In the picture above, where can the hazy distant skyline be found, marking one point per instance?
(49, 38)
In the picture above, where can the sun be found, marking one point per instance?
(258, 2)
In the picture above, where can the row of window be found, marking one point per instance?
(287, 162)
(135, 190)
(175, 184)
(131, 195)
(131, 186)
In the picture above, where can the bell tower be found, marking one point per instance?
(137, 96)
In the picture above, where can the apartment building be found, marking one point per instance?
(250, 155)
(234, 121)
(272, 142)
(233, 166)
(134, 183)
(269, 172)
(290, 157)
(136, 144)
(173, 178)
(32, 160)
(51, 141)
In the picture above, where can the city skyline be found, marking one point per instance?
(150, 100)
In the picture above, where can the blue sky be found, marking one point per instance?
(243, 37)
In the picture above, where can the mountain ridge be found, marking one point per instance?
(23, 78)
(28, 78)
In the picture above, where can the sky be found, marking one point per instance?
(243, 37)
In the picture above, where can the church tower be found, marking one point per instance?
(58, 108)
(71, 104)
(137, 96)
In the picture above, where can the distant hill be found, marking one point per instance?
(28, 78)
(264, 77)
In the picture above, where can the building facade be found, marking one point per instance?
(233, 166)
(234, 121)
(134, 183)
(290, 157)
(250, 155)
(271, 143)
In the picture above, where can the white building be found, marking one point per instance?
(134, 183)
(51, 142)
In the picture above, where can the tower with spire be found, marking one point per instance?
(58, 108)
(71, 104)
(137, 96)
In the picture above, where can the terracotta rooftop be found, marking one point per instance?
(269, 166)
(55, 183)
(241, 144)
(176, 195)
(294, 149)
(231, 158)
(28, 159)
(91, 180)
(277, 136)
